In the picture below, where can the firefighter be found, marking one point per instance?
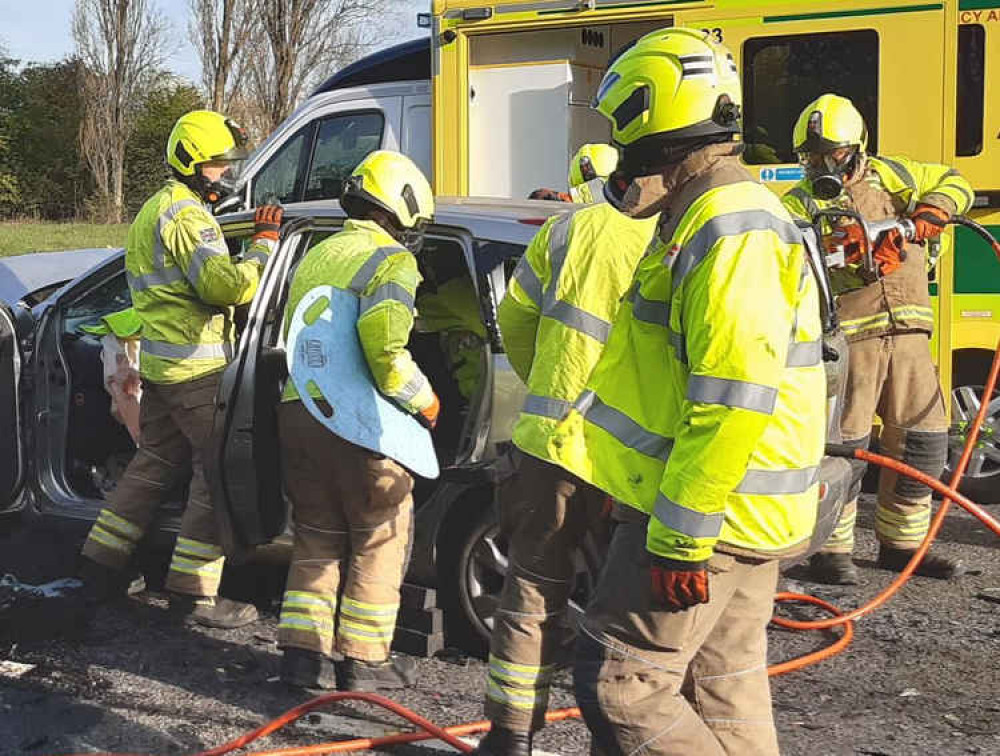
(887, 317)
(184, 286)
(704, 417)
(554, 319)
(588, 170)
(352, 508)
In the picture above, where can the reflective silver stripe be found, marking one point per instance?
(901, 172)
(731, 393)
(391, 291)
(678, 343)
(159, 250)
(526, 277)
(558, 248)
(730, 224)
(546, 406)
(687, 521)
(579, 320)
(649, 310)
(198, 260)
(412, 387)
(156, 278)
(258, 256)
(806, 199)
(187, 351)
(804, 353)
(622, 427)
(568, 314)
(370, 266)
(774, 482)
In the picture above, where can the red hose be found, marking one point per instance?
(430, 731)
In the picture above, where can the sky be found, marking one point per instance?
(39, 31)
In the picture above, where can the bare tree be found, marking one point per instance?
(123, 44)
(304, 40)
(221, 31)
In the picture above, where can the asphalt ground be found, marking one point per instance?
(921, 677)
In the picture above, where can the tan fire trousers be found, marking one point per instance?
(175, 421)
(546, 513)
(894, 377)
(661, 683)
(353, 516)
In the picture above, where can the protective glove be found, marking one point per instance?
(889, 252)
(428, 417)
(550, 194)
(850, 237)
(930, 221)
(677, 585)
(267, 221)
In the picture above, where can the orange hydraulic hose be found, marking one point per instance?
(950, 494)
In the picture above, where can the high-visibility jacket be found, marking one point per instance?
(184, 285)
(588, 193)
(365, 259)
(452, 310)
(707, 407)
(890, 187)
(558, 309)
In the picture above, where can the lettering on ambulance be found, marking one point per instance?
(979, 16)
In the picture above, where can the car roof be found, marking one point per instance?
(22, 275)
(405, 62)
(513, 221)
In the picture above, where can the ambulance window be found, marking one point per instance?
(971, 88)
(781, 75)
(341, 143)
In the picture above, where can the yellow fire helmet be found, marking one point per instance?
(828, 123)
(393, 182)
(204, 136)
(590, 162)
(674, 83)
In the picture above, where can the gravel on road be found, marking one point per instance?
(921, 677)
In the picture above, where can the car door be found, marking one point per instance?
(242, 466)
(11, 451)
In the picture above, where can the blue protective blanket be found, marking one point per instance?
(324, 353)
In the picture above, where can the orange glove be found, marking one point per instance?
(676, 586)
(428, 417)
(848, 236)
(930, 221)
(267, 221)
(889, 253)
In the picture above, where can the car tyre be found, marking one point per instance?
(472, 564)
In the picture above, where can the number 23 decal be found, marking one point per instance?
(715, 33)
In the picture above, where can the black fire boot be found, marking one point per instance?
(932, 565)
(307, 669)
(221, 613)
(500, 741)
(103, 584)
(394, 672)
(833, 569)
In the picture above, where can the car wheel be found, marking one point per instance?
(472, 572)
(981, 481)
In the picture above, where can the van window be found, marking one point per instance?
(341, 143)
(281, 177)
(781, 75)
(971, 87)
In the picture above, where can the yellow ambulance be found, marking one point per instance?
(512, 82)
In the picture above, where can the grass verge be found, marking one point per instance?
(19, 237)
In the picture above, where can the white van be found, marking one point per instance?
(380, 102)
